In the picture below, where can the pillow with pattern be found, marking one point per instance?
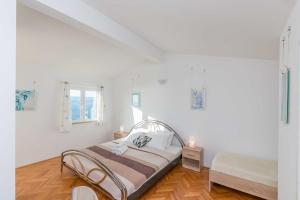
(141, 141)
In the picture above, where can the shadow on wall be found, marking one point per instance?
(137, 114)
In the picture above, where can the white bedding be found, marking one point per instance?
(172, 152)
(246, 167)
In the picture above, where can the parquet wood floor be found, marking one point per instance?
(43, 181)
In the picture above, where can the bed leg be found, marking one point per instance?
(61, 166)
(210, 184)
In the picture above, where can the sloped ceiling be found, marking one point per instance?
(46, 42)
(238, 28)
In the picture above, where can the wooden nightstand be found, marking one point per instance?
(192, 158)
(118, 135)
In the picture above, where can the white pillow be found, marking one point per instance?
(171, 136)
(132, 136)
(160, 140)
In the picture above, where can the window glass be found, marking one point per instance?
(90, 105)
(75, 104)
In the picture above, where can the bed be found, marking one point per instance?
(247, 174)
(130, 175)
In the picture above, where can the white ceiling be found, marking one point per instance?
(48, 43)
(239, 28)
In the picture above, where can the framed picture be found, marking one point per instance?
(198, 99)
(136, 99)
(25, 100)
(285, 95)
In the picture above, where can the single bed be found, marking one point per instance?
(131, 174)
(247, 174)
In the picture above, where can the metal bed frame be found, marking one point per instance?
(100, 167)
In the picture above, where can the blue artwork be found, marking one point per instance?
(285, 96)
(198, 99)
(25, 100)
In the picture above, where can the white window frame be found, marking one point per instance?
(83, 89)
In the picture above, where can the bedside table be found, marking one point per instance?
(192, 158)
(119, 135)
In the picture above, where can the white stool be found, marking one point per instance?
(83, 193)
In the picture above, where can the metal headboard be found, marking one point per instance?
(156, 125)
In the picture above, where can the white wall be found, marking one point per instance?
(48, 52)
(7, 88)
(242, 104)
(37, 132)
(289, 134)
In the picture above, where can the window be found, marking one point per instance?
(83, 104)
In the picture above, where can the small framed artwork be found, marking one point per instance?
(285, 95)
(136, 99)
(25, 100)
(198, 99)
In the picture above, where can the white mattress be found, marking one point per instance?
(246, 167)
(108, 183)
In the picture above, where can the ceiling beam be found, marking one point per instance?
(79, 14)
